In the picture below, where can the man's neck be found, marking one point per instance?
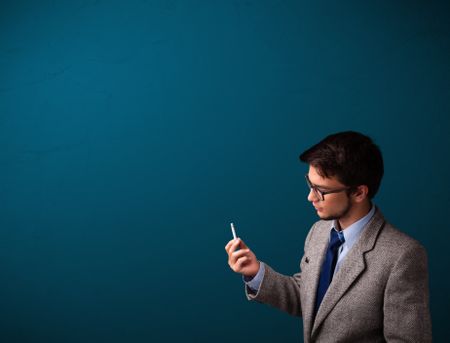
(357, 212)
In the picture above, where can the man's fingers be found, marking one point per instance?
(237, 254)
(234, 245)
(237, 259)
(227, 247)
(240, 253)
(241, 261)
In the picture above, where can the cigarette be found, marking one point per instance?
(233, 231)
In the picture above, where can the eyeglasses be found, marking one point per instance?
(319, 193)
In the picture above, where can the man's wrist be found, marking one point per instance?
(248, 278)
(255, 282)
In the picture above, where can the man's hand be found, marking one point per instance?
(242, 261)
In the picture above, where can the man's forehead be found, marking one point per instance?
(317, 179)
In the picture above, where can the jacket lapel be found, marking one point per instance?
(316, 255)
(351, 268)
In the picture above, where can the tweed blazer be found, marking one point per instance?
(379, 294)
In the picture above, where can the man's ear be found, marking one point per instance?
(360, 193)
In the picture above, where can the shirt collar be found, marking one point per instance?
(352, 232)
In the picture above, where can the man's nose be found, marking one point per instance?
(312, 196)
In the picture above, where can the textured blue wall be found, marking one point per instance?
(133, 132)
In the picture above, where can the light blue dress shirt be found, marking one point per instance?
(351, 235)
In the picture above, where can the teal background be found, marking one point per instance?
(133, 132)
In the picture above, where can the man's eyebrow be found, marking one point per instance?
(322, 187)
(319, 186)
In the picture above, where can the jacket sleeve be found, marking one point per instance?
(406, 300)
(280, 291)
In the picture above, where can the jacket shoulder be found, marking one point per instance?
(395, 242)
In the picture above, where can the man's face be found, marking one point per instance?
(335, 205)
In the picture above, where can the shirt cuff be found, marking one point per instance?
(255, 282)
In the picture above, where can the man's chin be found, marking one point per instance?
(337, 215)
(325, 217)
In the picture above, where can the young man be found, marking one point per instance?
(361, 279)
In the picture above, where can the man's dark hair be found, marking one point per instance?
(349, 156)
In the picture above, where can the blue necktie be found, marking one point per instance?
(328, 266)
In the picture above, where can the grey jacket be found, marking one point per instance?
(379, 294)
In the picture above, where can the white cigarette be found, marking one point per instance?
(233, 231)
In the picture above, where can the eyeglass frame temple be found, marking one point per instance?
(322, 193)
